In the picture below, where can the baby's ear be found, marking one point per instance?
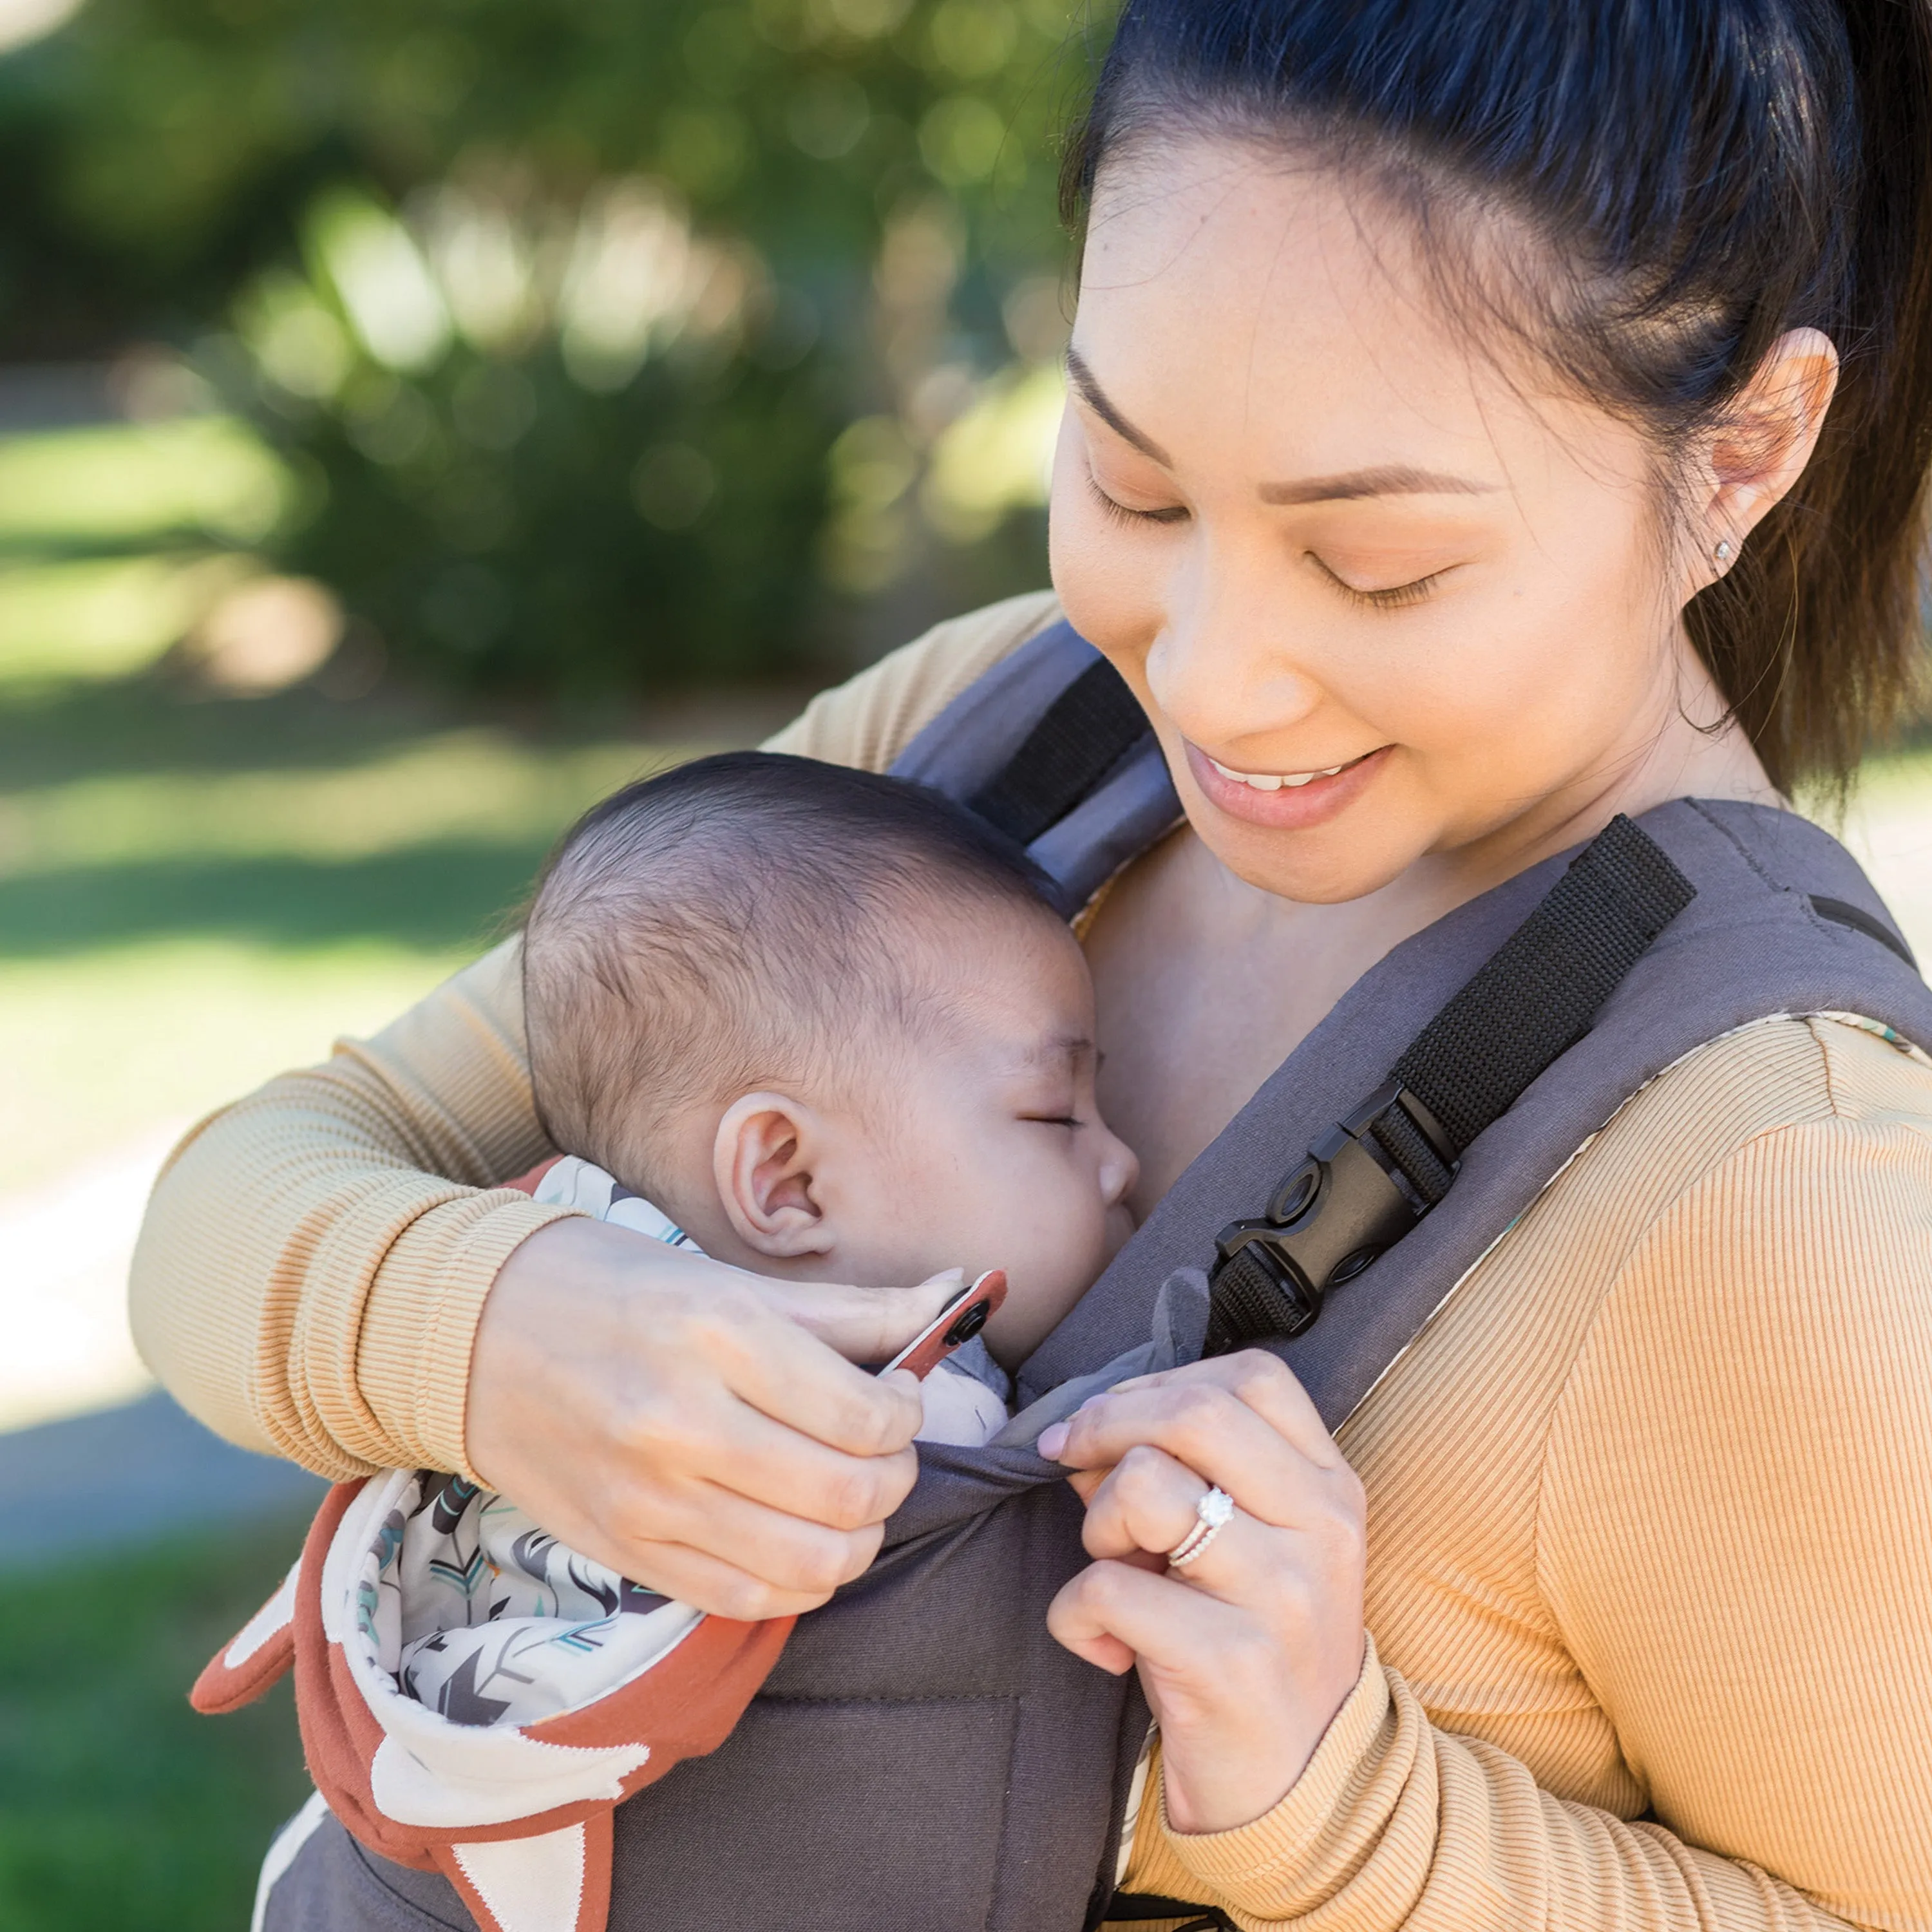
(763, 1159)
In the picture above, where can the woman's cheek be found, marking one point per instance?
(1555, 691)
(1487, 706)
(1110, 580)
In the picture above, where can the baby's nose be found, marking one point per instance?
(1120, 1168)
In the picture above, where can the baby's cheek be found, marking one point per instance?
(1092, 1234)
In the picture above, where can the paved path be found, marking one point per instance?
(92, 1455)
(129, 1475)
(65, 1249)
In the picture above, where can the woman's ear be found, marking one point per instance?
(1759, 450)
(763, 1156)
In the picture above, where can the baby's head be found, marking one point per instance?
(826, 1021)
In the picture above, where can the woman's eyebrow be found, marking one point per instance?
(1097, 399)
(1392, 479)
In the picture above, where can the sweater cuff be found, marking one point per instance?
(419, 1329)
(1258, 1856)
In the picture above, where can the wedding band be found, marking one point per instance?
(1212, 1514)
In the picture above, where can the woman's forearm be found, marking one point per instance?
(1397, 1824)
(315, 1257)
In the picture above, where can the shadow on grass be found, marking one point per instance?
(121, 1810)
(149, 725)
(154, 723)
(440, 896)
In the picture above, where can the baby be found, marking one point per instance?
(828, 1024)
(815, 1023)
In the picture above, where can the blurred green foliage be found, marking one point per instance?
(607, 344)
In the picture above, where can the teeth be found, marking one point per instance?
(1271, 781)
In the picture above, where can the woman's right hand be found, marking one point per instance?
(699, 1429)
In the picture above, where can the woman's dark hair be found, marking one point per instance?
(1703, 175)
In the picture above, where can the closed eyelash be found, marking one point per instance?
(1120, 513)
(1393, 597)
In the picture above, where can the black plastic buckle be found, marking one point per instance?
(1345, 1204)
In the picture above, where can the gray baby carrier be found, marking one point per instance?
(924, 1757)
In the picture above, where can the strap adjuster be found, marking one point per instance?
(1365, 1183)
(1369, 1180)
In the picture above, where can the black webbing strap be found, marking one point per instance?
(1083, 734)
(1535, 998)
(1135, 1908)
(1373, 1175)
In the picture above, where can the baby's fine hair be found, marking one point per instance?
(749, 920)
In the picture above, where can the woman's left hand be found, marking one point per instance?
(1247, 1653)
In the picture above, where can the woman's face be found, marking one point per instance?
(1319, 536)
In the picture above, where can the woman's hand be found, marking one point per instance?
(1247, 1653)
(697, 1429)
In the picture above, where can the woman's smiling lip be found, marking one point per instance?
(1284, 802)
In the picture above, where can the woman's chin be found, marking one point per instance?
(1309, 884)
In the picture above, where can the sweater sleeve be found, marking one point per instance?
(1734, 1535)
(315, 1257)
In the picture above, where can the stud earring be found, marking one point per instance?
(1722, 552)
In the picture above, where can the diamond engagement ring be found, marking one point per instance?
(1212, 1514)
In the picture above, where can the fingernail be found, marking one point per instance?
(1052, 1440)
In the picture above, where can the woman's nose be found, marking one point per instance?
(1221, 675)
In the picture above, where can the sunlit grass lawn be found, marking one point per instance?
(193, 896)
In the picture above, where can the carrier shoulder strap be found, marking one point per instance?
(1389, 1161)
(1051, 748)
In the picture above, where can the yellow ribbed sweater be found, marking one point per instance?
(1650, 1581)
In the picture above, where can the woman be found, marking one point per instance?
(1485, 420)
